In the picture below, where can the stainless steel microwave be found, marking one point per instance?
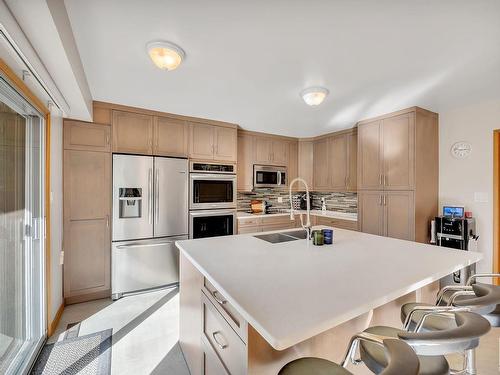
(268, 176)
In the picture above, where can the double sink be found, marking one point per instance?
(283, 236)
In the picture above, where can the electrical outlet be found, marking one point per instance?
(280, 199)
(61, 258)
(480, 197)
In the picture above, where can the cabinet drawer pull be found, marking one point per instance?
(380, 200)
(219, 344)
(221, 301)
(380, 179)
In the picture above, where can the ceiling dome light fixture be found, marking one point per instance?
(314, 95)
(165, 55)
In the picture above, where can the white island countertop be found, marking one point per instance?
(292, 291)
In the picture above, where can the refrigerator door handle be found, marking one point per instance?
(132, 246)
(157, 193)
(150, 196)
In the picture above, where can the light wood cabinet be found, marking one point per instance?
(321, 176)
(387, 153)
(398, 172)
(132, 133)
(387, 213)
(245, 162)
(369, 158)
(87, 236)
(338, 162)
(305, 163)
(225, 144)
(209, 142)
(293, 165)
(79, 135)
(398, 152)
(334, 161)
(371, 212)
(271, 151)
(170, 137)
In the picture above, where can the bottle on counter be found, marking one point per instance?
(323, 204)
(317, 237)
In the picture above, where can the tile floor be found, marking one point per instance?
(146, 332)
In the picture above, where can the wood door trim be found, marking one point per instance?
(24, 90)
(496, 203)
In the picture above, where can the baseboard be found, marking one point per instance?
(55, 322)
(87, 297)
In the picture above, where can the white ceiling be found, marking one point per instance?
(247, 61)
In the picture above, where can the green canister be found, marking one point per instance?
(317, 237)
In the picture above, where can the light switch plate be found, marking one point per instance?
(61, 258)
(481, 197)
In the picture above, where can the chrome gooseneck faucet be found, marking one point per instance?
(307, 225)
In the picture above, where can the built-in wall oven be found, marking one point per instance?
(212, 200)
(212, 223)
(212, 186)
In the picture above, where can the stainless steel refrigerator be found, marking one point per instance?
(150, 213)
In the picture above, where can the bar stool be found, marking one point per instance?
(402, 360)
(430, 346)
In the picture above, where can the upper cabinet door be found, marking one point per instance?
(369, 156)
(201, 141)
(132, 133)
(226, 143)
(352, 157)
(337, 158)
(80, 135)
(371, 212)
(398, 145)
(280, 152)
(320, 159)
(263, 150)
(245, 162)
(170, 137)
(399, 215)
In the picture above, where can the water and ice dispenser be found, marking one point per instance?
(130, 202)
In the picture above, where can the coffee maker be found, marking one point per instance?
(455, 232)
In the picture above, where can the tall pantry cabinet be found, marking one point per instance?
(398, 174)
(87, 210)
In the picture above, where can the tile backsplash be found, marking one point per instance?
(343, 202)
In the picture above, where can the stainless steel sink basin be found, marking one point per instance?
(282, 237)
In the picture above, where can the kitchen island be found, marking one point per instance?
(249, 306)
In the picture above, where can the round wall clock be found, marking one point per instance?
(461, 150)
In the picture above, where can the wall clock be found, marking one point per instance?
(461, 150)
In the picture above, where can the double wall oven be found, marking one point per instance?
(212, 200)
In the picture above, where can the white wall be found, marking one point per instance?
(459, 180)
(56, 219)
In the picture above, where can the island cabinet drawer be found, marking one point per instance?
(211, 364)
(233, 317)
(228, 346)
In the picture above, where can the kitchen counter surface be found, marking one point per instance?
(331, 214)
(292, 291)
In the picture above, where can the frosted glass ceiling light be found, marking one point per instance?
(165, 55)
(314, 95)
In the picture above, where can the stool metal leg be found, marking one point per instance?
(470, 356)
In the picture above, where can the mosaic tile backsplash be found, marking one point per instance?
(343, 202)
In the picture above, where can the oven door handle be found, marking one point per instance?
(208, 176)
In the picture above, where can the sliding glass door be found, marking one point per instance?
(22, 231)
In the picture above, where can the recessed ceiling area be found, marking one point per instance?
(247, 62)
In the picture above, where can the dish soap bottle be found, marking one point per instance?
(323, 205)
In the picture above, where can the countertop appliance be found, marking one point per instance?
(269, 176)
(212, 200)
(457, 233)
(150, 213)
(212, 186)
